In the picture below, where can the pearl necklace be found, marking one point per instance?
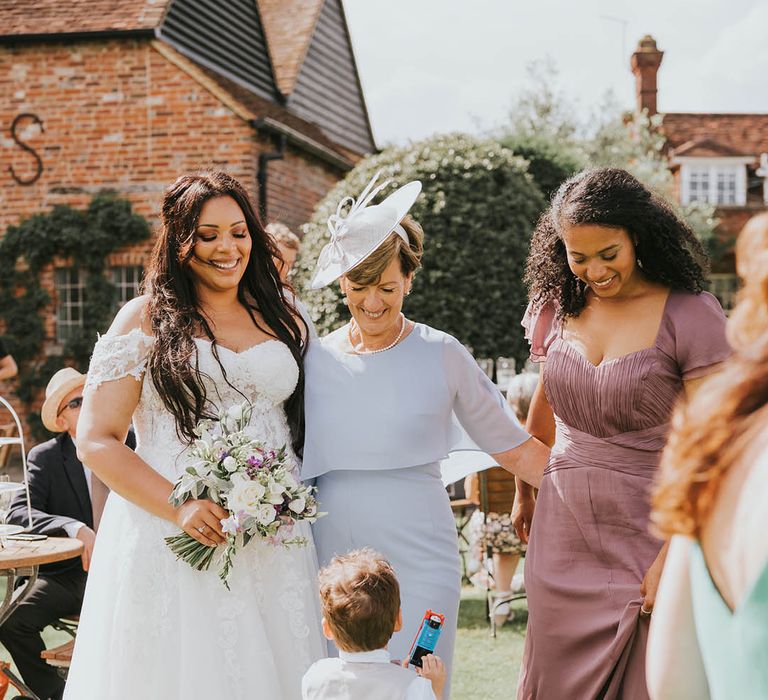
(378, 350)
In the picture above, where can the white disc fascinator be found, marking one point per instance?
(359, 232)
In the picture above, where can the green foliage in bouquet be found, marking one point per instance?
(478, 209)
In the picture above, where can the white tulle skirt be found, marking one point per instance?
(153, 627)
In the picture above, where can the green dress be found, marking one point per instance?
(733, 643)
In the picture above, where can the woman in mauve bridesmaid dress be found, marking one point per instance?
(590, 546)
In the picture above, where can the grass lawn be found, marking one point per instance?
(485, 668)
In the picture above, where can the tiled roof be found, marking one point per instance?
(731, 134)
(37, 17)
(289, 25)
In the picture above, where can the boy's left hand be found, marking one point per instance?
(433, 669)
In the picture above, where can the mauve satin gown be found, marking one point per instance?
(590, 545)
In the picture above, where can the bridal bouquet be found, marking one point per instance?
(253, 482)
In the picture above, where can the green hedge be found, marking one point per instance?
(478, 209)
(549, 163)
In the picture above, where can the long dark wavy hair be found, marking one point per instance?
(666, 247)
(174, 311)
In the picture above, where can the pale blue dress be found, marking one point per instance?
(377, 427)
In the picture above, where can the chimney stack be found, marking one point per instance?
(645, 65)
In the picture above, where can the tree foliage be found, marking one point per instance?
(543, 118)
(478, 209)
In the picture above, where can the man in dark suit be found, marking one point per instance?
(67, 501)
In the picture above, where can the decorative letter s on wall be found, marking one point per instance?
(27, 148)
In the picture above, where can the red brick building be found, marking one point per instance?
(718, 158)
(129, 94)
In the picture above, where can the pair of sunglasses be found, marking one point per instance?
(73, 404)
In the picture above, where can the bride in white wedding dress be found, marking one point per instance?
(213, 328)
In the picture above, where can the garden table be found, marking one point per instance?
(19, 559)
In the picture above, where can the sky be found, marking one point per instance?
(431, 66)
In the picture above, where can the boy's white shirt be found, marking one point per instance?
(419, 689)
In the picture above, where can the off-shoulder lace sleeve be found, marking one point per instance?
(118, 356)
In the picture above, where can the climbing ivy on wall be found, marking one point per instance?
(87, 237)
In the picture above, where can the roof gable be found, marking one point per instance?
(328, 90)
(289, 25)
(262, 112)
(313, 87)
(225, 37)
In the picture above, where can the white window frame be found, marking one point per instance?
(714, 167)
(65, 280)
(725, 286)
(127, 289)
(762, 172)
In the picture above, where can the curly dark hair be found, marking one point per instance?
(175, 316)
(666, 246)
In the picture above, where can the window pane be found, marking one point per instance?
(127, 279)
(698, 185)
(726, 187)
(68, 284)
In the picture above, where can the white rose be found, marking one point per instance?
(246, 496)
(230, 464)
(298, 505)
(276, 492)
(264, 514)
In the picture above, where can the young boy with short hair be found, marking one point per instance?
(360, 597)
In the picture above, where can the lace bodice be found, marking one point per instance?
(266, 374)
(146, 609)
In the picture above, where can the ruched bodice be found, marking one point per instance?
(590, 544)
(634, 393)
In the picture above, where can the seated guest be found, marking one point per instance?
(67, 501)
(288, 244)
(360, 597)
(709, 631)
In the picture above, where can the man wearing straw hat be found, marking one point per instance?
(67, 500)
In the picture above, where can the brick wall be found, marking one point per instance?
(117, 114)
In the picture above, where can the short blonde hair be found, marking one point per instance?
(360, 597)
(372, 268)
(283, 235)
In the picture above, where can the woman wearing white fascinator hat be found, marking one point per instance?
(380, 398)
